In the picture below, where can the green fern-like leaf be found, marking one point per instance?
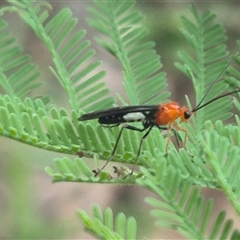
(18, 75)
(73, 66)
(76, 170)
(234, 76)
(206, 70)
(183, 208)
(104, 226)
(222, 155)
(207, 40)
(120, 24)
(69, 170)
(31, 122)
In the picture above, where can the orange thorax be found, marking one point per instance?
(169, 112)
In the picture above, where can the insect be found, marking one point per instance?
(163, 116)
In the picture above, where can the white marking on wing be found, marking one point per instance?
(132, 117)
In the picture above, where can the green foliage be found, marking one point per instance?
(185, 210)
(207, 64)
(124, 34)
(18, 75)
(104, 226)
(31, 122)
(70, 57)
(212, 152)
(76, 170)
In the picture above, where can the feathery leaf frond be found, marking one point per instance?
(206, 70)
(182, 207)
(74, 66)
(233, 77)
(31, 122)
(104, 226)
(69, 170)
(76, 170)
(123, 33)
(222, 156)
(18, 75)
(207, 40)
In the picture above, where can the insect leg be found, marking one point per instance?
(176, 127)
(140, 146)
(174, 132)
(176, 137)
(169, 128)
(116, 144)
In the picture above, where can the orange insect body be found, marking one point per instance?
(169, 112)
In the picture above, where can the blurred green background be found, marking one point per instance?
(34, 208)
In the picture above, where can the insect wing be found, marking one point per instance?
(117, 111)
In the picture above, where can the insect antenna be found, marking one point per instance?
(199, 106)
(215, 99)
